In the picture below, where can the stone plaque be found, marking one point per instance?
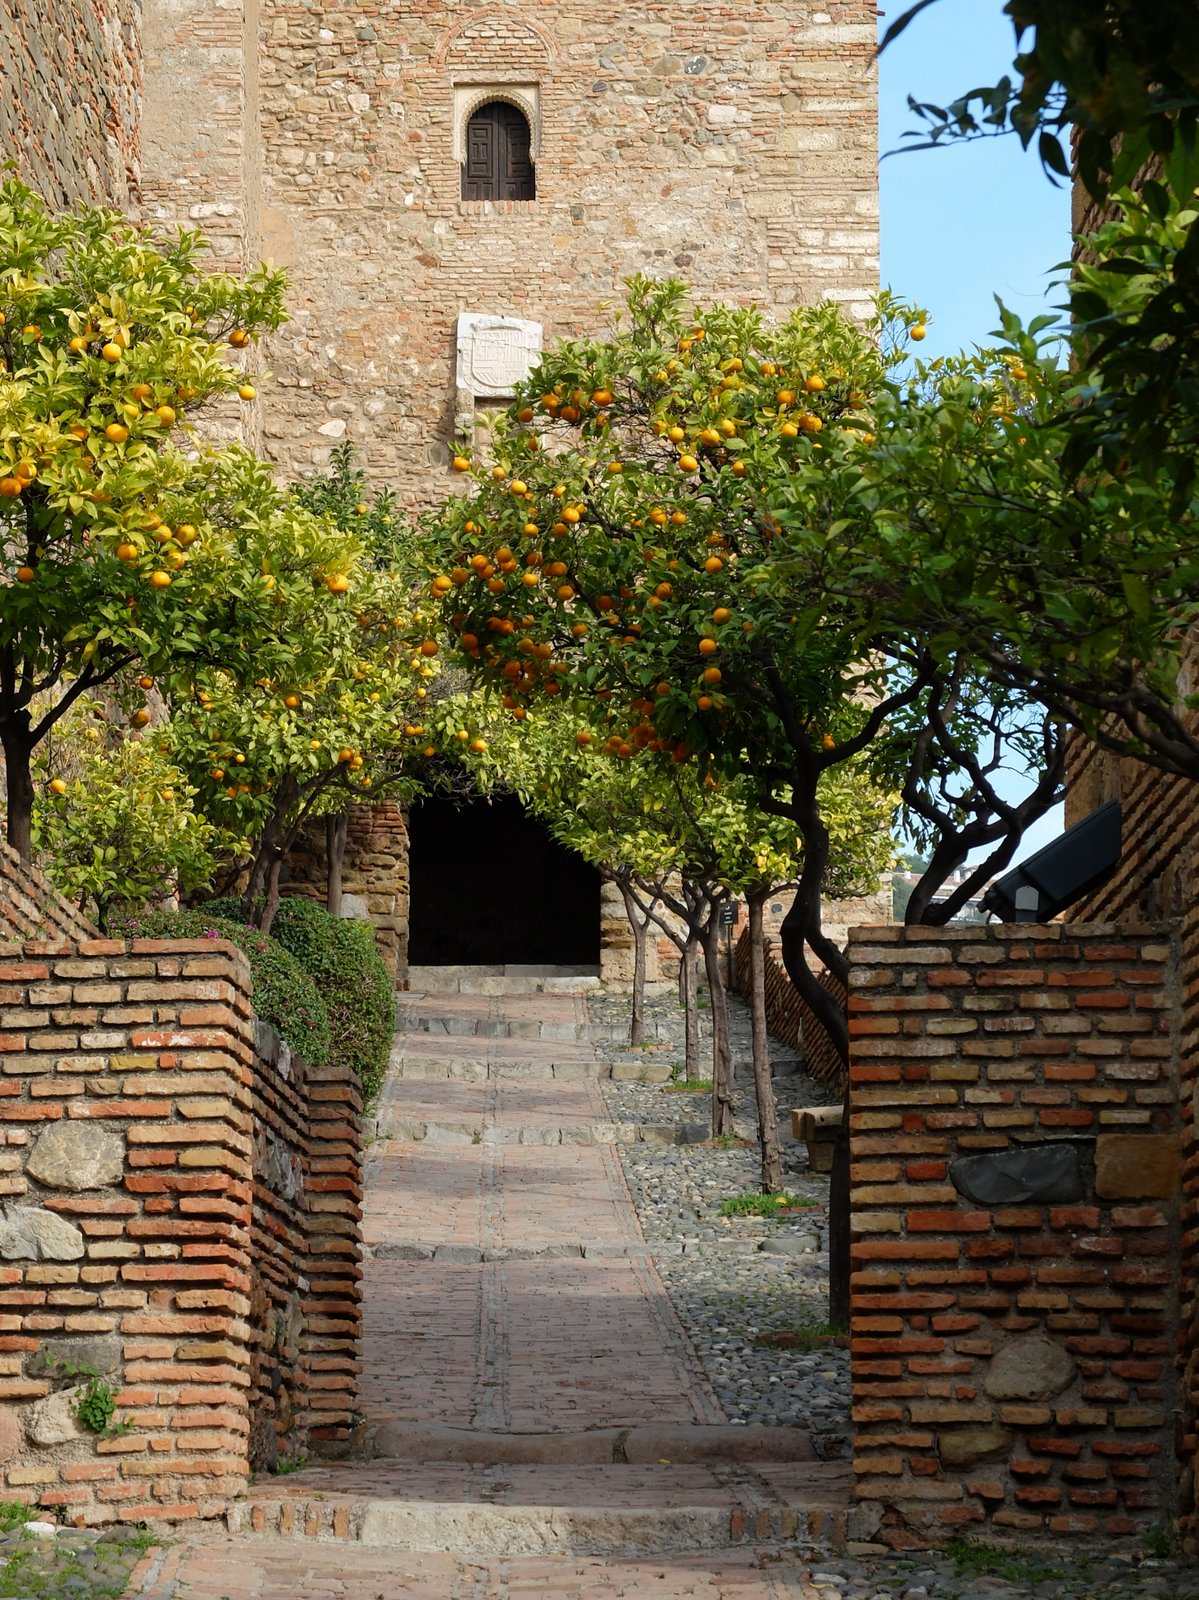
(495, 354)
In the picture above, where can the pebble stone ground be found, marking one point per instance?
(674, 1264)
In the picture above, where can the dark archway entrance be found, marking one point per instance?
(490, 887)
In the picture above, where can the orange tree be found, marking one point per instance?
(109, 343)
(321, 706)
(656, 535)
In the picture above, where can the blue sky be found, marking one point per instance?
(960, 226)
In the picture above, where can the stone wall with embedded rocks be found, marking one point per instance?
(1016, 1157)
(70, 82)
(179, 1225)
(734, 146)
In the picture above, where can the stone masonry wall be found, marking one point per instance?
(1015, 1179)
(150, 1234)
(731, 145)
(70, 82)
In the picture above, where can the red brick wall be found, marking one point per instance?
(31, 907)
(1011, 1356)
(144, 1223)
(788, 1018)
(1158, 877)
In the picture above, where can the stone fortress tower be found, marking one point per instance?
(412, 162)
(452, 184)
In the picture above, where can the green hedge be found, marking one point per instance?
(285, 995)
(340, 956)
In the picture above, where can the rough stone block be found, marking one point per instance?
(1136, 1166)
(1032, 1368)
(967, 1447)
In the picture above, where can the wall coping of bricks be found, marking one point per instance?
(1015, 1165)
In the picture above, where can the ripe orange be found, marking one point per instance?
(247, 391)
(145, 683)
(738, 469)
(57, 786)
(160, 580)
(111, 351)
(25, 574)
(721, 615)
(11, 486)
(116, 433)
(141, 391)
(711, 674)
(461, 463)
(785, 397)
(428, 647)
(919, 332)
(688, 464)
(713, 564)
(337, 583)
(239, 338)
(291, 701)
(126, 552)
(705, 702)
(165, 415)
(140, 719)
(478, 746)
(602, 397)
(707, 647)
(814, 384)
(582, 738)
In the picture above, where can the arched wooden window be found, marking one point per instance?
(498, 162)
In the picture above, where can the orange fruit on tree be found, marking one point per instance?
(721, 615)
(247, 391)
(160, 580)
(111, 351)
(918, 331)
(461, 463)
(57, 786)
(11, 486)
(711, 674)
(688, 464)
(713, 564)
(25, 574)
(428, 647)
(165, 415)
(707, 647)
(337, 583)
(140, 719)
(116, 433)
(239, 338)
(126, 552)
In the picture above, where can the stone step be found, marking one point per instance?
(649, 1444)
(409, 1130)
(503, 980)
(410, 1021)
(516, 1508)
(427, 1069)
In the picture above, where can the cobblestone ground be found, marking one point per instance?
(537, 1268)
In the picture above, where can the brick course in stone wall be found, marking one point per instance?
(179, 1216)
(374, 876)
(32, 908)
(1012, 1351)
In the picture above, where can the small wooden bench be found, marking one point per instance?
(817, 1128)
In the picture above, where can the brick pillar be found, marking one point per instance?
(1015, 1191)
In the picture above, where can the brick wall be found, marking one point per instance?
(70, 77)
(32, 908)
(787, 1016)
(1015, 1176)
(733, 145)
(1158, 878)
(178, 1217)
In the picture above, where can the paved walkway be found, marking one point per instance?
(518, 1346)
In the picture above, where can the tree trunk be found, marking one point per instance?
(722, 1060)
(272, 894)
(687, 994)
(768, 1119)
(640, 934)
(18, 748)
(336, 829)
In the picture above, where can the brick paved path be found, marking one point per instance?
(508, 1291)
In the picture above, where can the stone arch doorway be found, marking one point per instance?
(491, 887)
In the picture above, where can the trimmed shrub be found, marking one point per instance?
(284, 994)
(340, 956)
